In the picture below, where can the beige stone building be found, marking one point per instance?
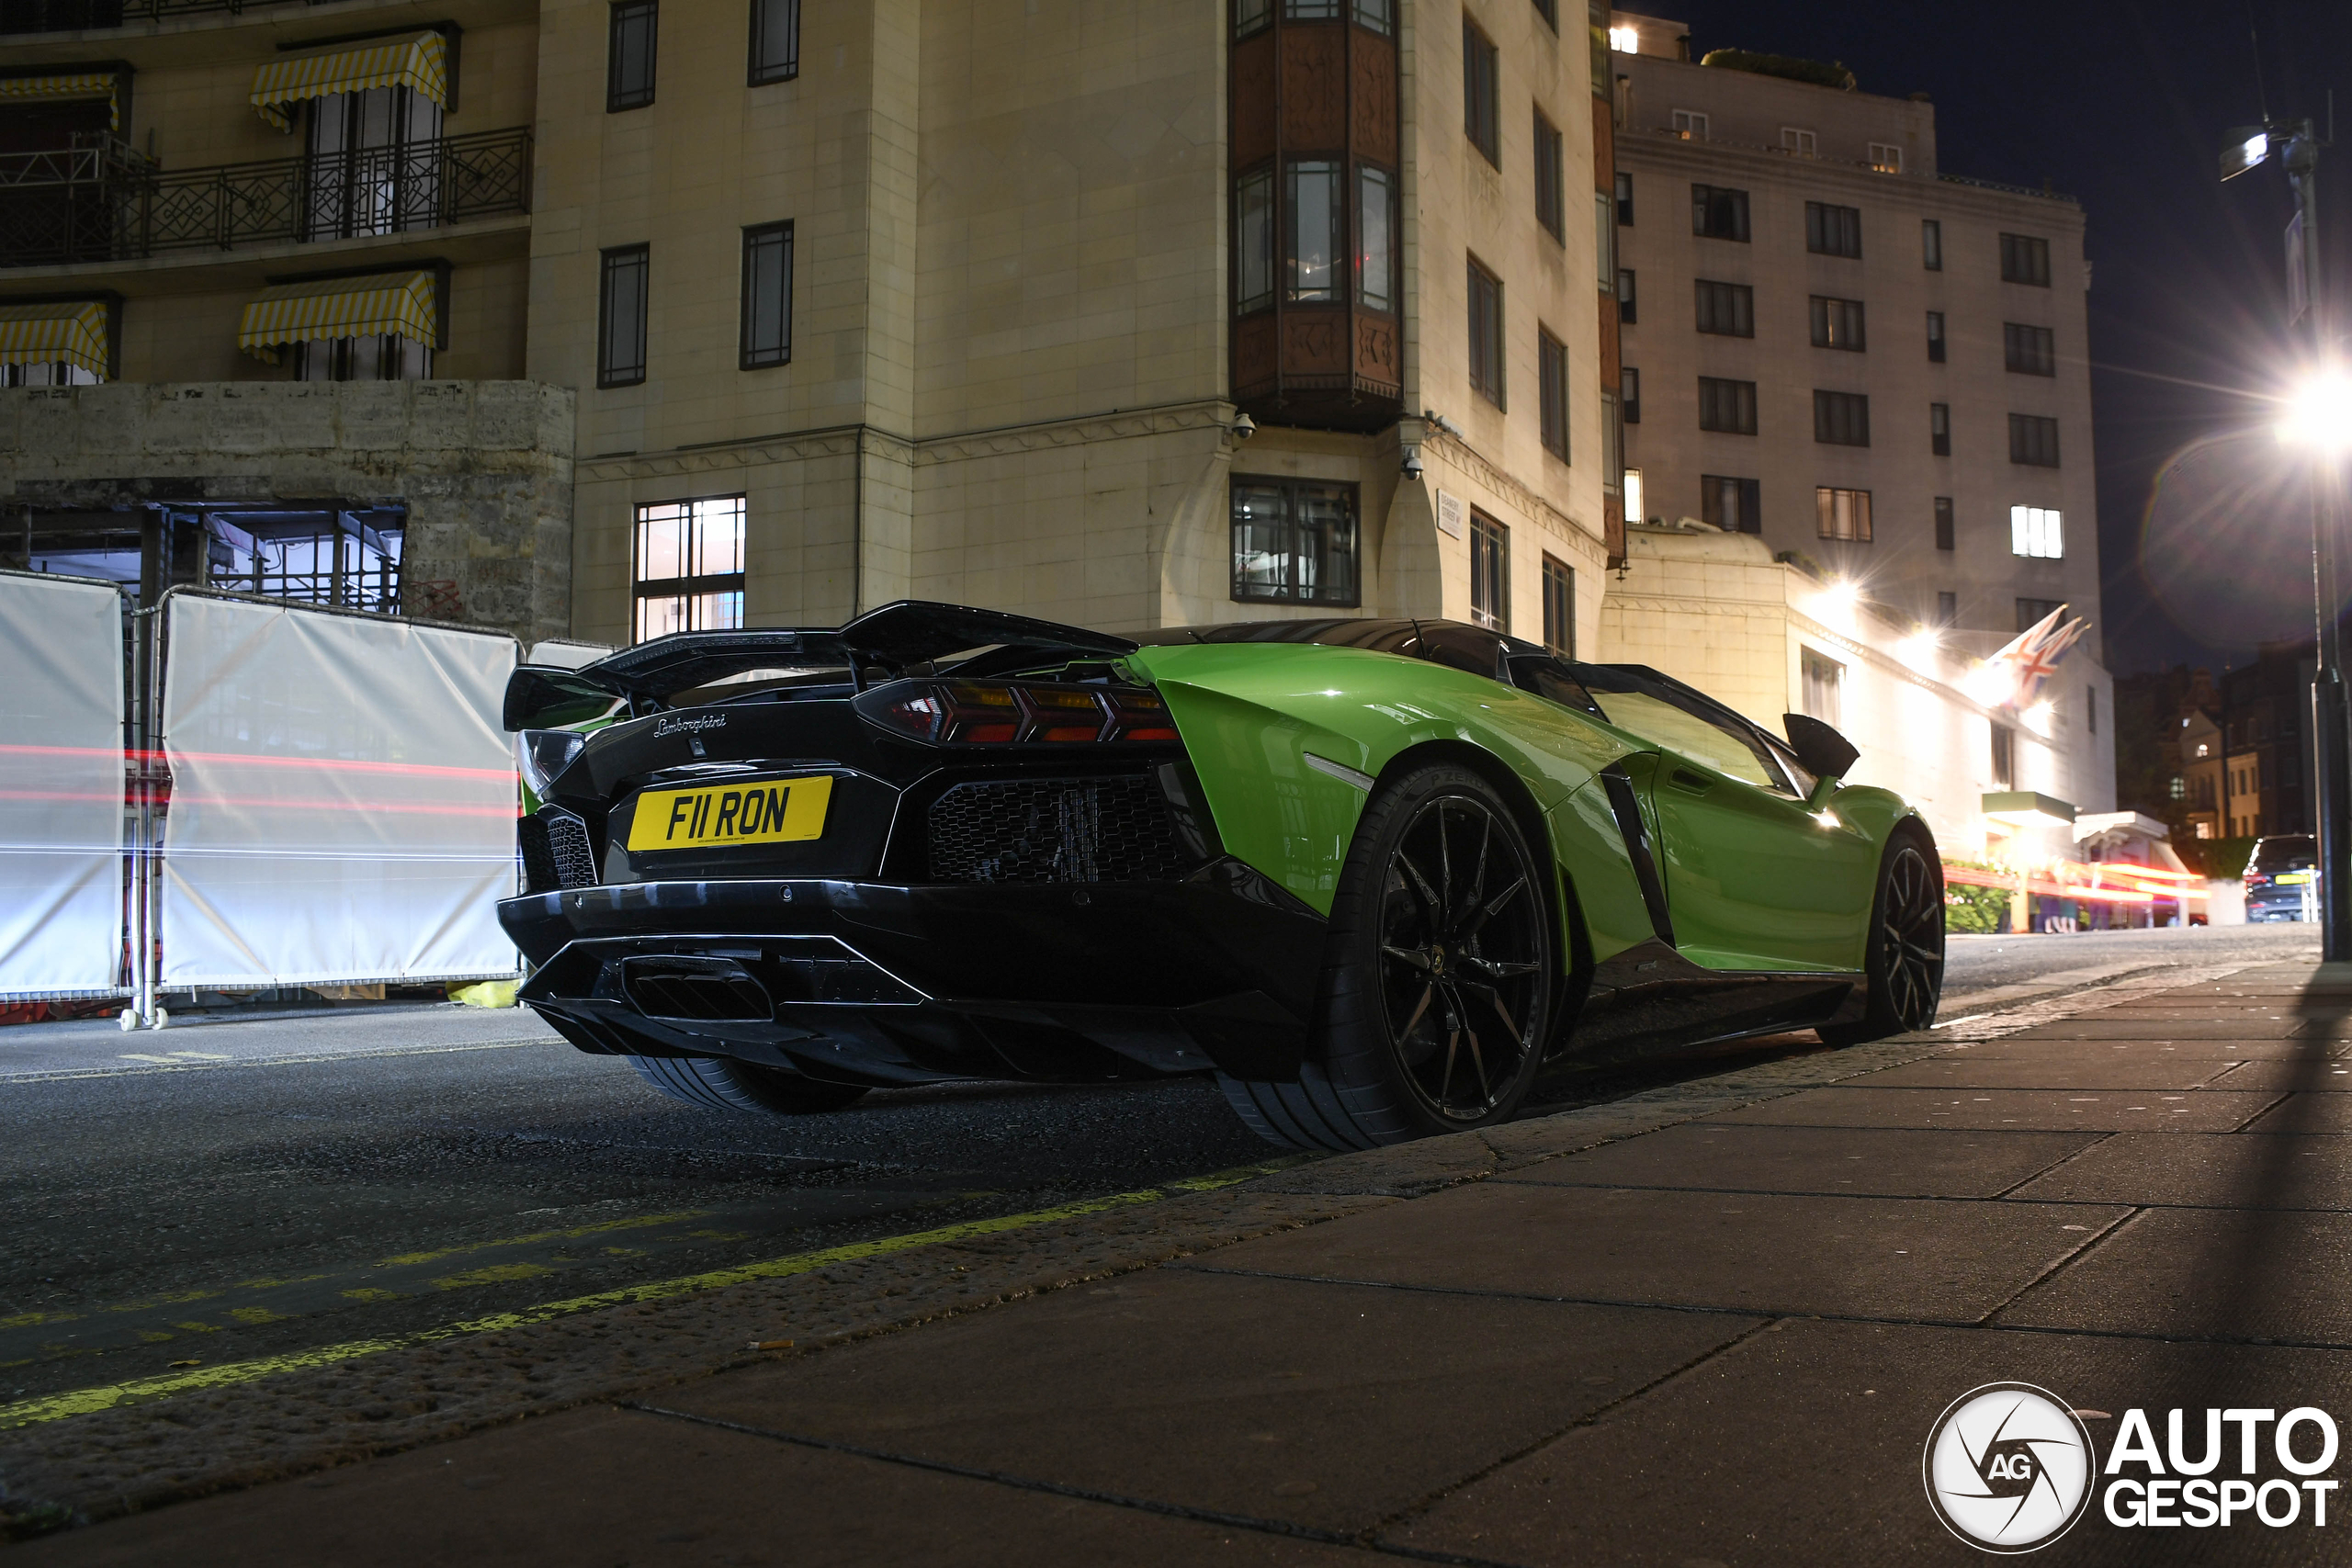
(599, 320)
(1834, 345)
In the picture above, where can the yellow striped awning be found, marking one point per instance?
(74, 332)
(404, 303)
(419, 61)
(63, 88)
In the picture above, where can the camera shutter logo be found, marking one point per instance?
(2009, 1468)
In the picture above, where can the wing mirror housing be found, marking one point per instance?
(1821, 751)
(541, 697)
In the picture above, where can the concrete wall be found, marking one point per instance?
(484, 469)
(1717, 611)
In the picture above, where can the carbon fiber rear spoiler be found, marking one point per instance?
(910, 632)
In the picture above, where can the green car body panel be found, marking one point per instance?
(1754, 880)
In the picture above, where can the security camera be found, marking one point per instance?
(1413, 463)
(1244, 427)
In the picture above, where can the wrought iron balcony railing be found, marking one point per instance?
(100, 200)
(78, 16)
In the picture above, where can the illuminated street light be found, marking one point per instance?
(2319, 414)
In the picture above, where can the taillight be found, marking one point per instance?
(971, 713)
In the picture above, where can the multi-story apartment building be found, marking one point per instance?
(608, 318)
(1832, 343)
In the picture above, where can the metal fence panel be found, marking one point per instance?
(343, 797)
(60, 788)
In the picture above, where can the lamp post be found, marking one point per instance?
(2318, 419)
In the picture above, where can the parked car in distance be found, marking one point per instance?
(2282, 878)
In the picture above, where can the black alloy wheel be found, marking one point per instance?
(1462, 955)
(1438, 975)
(1905, 959)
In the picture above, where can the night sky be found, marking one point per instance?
(2123, 105)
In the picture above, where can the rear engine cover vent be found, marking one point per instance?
(556, 853)
(1113, 829)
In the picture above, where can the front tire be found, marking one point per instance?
(1438, 977)
(720, 1083)
(1905, 963)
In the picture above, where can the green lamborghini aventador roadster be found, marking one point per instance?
(1378, 875)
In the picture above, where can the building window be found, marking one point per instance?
(1690, 125)
(372, 358)
(1838, 323)
(628, 59)
(1253, 242)
(1634, 497)
(689, 565)
(2024, 259)
(1559, 608)
(1719, 212)
(1727, 406)
(1487, 334)
(2004, 757)
(1312, 231)
(62, 373)
(2037, 532)
(1727, 310)
(1935, 337)
(1841, 419)
(1489, 572)
(2090, 707)
(1944, 530)
(1481, 96)
(1377, 15)
(1552, 361)
(372, 168)
(1939, 429)
(2033, 440)
(1625, 301)
(1604, 245)
(2029, 351)
(1833, 230)
(1799, 143)
(1625, 40)
(1294, 542)
(1886, 157)
(767, 296)
(1629, 394)
(1550, 180)
(2031, 612)
(1549, 11)
(2178, 788)
(1842, 513)
(1625, 198)
(1251, 15)
(1824, 686)
(1947, 608)
(1310, 10)
(1375, 238)
(1735, 505)
(1931, 243)
(775, 40)
(620, 316)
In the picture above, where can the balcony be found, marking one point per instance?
(80, 16)
(100, 200)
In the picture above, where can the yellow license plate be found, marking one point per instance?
(2289, 878)
(778, 812)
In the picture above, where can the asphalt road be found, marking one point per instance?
(225, 1190)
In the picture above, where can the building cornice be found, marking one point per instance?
(1462, 454)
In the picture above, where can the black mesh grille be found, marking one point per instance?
(1114, 829)
(556, 853)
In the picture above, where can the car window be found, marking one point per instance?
(1547, 677)
(1655, 708)
(2287, 853)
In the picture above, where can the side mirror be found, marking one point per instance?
(1825, 754)
(540, 697)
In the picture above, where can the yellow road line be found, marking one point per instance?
(106, 1396)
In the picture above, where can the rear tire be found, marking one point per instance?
(721, 1083)
(1438, 977)
(1905, 963)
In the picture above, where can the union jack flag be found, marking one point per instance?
(2026, 660)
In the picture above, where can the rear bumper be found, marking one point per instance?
(887, 983)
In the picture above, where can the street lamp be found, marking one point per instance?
(2319, 419)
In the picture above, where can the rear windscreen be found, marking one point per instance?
(2286, 854)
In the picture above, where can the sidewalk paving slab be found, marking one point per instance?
(1331, 1407)
(2195, 1110)
(2214, 1170)
(1867, 1162)
(1745, 1252)
(2231, 1274)
(2110, 1071)
(606, 1488)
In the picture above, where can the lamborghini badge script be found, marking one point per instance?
(675, 726)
